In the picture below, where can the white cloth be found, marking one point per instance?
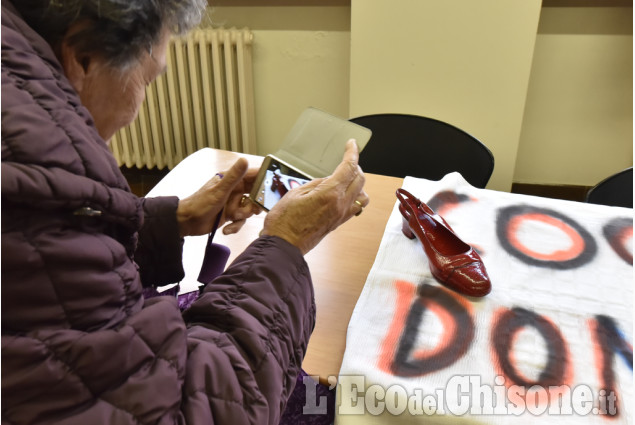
(557, 279)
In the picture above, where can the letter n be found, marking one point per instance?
(609, 343)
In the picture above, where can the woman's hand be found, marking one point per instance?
(308, 213)
(197, 213)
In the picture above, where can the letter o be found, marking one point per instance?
(509, 219)
(396, 400)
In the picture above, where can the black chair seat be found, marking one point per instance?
(410, 145)
(615, 191)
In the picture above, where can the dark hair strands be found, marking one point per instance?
(118, 29)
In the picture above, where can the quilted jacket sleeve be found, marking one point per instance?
(247, 336)
(159, 251)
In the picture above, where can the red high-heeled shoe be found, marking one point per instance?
(453, 262)
(277, 185)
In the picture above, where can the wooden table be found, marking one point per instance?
(339, 264)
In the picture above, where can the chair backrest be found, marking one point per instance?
(410, 145)
(616, 190)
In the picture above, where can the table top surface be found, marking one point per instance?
(339, 264)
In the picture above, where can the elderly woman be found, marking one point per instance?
(80, 344)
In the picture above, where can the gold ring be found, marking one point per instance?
(361, 208)
(243, 200)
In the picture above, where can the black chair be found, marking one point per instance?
(615, 191)
(410, 145)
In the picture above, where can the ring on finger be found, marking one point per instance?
(243, 200)
(361, 208)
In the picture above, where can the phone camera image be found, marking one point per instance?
(278, 180)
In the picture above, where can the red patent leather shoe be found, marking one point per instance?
(453, 262)
(277, 185)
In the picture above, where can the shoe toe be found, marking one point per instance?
(471, 280)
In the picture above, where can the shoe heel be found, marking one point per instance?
(405, 229)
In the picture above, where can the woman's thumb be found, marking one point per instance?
(234, 175)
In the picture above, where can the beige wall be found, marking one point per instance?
(300, 58)
(569, 122)
(578, 124)
(464, 62)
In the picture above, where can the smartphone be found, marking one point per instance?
(274, 180)
(313, 148)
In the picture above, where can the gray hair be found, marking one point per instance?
(119, 29)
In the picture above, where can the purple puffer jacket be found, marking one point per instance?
(80, 345)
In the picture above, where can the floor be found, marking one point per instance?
(141, 181)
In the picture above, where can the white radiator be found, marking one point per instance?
(205, 99)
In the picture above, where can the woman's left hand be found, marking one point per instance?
(197, 213)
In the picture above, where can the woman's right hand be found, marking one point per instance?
(308, 213)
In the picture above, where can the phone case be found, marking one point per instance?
(317, 141)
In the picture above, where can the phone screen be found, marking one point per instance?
(277, 181)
